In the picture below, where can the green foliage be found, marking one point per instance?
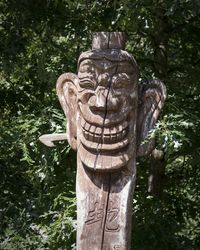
(42, 39)
(172, 222)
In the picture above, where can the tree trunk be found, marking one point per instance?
(157, 171)
(160, 42)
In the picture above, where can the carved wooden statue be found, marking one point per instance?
(108, 116)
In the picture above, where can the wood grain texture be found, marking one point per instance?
(107, 129)
(152, 95)
(49, 139)
(104, 205)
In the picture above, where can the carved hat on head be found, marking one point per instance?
(108, 45)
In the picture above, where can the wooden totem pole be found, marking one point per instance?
(108, 116)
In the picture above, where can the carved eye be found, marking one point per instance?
(121, 80)
(125, 67)
(86, 83)
(86, 68)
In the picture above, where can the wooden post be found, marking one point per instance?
(108, 116)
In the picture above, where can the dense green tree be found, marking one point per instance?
(42, 39)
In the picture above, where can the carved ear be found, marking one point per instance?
(66, 88)
(152, 95)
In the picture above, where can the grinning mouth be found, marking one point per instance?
(105, 149)
(106, 135)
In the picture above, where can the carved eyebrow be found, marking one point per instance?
(97, 64)
(87, 61)
(126, 68)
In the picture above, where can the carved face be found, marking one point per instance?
(102, 109)
(107, 107)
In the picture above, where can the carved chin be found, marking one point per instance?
(105, 149)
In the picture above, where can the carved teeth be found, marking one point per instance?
(104, 135)
(83, 123)
(106, 138)
(86, 134)
(118, 136)
(106, 131)
(97, 138)
(87, 126)
(113, 131)
(98, 131)
(90, 137)
(113, 138)
(92, 129)
(123, 132)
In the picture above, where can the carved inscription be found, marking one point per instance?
(112, 219)
(97, 212)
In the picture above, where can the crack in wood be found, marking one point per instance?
(105, 216)
(104, 119)
(109, 182)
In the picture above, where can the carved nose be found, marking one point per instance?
(103, 101)
(103, 79)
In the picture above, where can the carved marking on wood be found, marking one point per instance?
(112, 223)
(118, 247)
(97, 211)
(95, 214)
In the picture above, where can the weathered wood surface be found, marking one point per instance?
(49, 139)
(108, 117)
(104, 203)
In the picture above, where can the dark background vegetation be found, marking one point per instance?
(39, 40)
